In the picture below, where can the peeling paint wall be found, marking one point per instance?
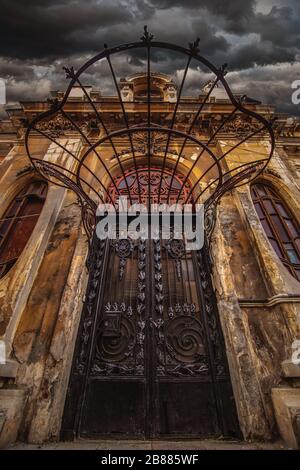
(246, 267)
(43, 335)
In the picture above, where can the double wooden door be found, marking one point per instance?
(149, 359)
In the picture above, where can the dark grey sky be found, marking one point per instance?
(260, 40)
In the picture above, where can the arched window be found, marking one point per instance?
(279, 225)
(156, 186)
(18, 222)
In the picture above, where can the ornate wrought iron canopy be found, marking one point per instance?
(183, 141)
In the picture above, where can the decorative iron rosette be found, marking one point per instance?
(147, 120)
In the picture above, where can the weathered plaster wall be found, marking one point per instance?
(45, 328)
(246, 267)
(291, 155)
(235, 324)
(16, 285)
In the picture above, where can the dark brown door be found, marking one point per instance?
(149, 359)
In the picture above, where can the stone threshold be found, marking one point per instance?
(189, 444)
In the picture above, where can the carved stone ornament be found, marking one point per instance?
(239, 126)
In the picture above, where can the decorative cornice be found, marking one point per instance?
(58, 126)
(238, 126)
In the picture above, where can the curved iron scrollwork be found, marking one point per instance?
(176, 250)
(184, 339)
(115, 341)
(149, 138)
(210, 220)
(120, 333)
(138, 183)
(178, 330)
(96, 266)
(212, 320)
(123, 248)
(158, 280)
(180, 346)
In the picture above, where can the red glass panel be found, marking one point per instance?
(159, 189)
(18, 222)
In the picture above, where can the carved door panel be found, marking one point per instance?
(109, 370)
(149, 359)
(192, 392)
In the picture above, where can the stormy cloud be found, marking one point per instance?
(260, 40)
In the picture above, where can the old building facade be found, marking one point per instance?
(248, 277)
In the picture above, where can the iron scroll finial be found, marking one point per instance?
(222, 70)
(70, 72)
(147, 37)
(194, 46)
